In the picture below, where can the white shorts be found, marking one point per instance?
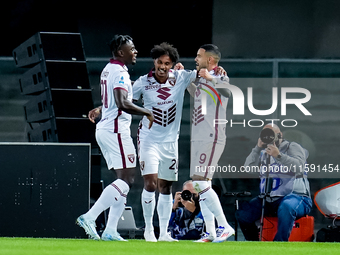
(159, 158)
(118, 149)
(204, 158)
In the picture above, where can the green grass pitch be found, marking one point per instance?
(49, 246)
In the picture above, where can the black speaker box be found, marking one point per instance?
(55, 75)
(45, 46)
(39, 108)
(64, 130)
(42, 132)
(57, 82)
(58, 103)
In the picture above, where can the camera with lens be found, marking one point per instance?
(268, 136)
(186, 195)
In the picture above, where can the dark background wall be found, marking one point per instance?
(277, 29)
(148, 22)
(243, 30)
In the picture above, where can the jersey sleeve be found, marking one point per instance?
(137, 89)
(122, 81)
(188, 76)
(222, 80)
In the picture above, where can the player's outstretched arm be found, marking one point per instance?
(191, 87)
(121, 98)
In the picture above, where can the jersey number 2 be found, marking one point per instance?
(174, 165)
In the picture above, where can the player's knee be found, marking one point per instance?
(150, 183)
(126, 175)
(131, 181)
(165, 190)
(151, 187)
(164, 186)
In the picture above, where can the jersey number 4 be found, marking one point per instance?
(103, 85)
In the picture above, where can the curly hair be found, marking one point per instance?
(118, 41)
(165, 49)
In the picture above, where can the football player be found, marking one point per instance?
(208, 141)
(162, 91)
(113, 137)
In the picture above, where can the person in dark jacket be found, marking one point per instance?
(186, 222)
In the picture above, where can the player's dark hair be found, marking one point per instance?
(212, 49)
(165, 49)
(118, 41)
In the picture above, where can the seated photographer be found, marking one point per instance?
(186, 222)
(288, 198)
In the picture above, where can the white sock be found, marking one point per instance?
(148, 204)
(115, 213)
(212, 202)
(111, 194)
(118, 204)
(164, 209)
(209, 219)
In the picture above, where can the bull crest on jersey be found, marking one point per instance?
(131, 157)
(166, 117)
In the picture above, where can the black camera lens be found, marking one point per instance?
(186, 195)
(267, 135)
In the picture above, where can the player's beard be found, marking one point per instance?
(200, 66)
